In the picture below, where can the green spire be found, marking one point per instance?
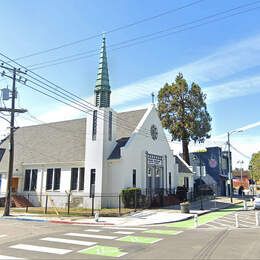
(102, 88)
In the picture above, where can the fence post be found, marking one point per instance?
(93, 202)
(245, 204)
(46, 204)
(257, 218)
(196, 220)
(119, 205)
(26, 209)
(236, 218)
(68, 203)
(135, 200)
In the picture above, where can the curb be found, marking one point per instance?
(24, 219)
(56, 221)
(79, 223)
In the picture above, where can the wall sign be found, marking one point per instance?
(153, 159)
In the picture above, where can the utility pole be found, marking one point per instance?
(11, 137)
(230, 163)
(229, 170)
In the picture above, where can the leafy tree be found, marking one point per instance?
(255, 166)
(183, 112)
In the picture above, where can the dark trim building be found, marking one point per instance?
(215, 162)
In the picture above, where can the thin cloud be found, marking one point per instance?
(226, 61)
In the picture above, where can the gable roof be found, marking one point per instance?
(182, 166)
(128, 121)
(60, 142)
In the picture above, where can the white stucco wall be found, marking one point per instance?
(97, 152)
(56, 198)
(133, 155)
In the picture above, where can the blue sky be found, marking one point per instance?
(222, 57)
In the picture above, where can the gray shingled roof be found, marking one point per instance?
(129, 121)
(48, 143)
(60, 142)
(116, 153)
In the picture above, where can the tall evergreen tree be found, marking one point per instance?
(183, 112)
(255, 166)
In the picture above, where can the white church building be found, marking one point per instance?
(98, 155)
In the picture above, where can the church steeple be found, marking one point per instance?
(102, 88)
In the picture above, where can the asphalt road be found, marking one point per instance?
(30, 240)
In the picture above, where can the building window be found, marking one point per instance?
(186, 182)
(92, 182)
(30, 180)
(27, 180)
(110, 126)
(94, 126)
(33, 180)
(81, 178)
(56, 185)
(134, 178)
(49, 179)
(53, 180)
(74, 179)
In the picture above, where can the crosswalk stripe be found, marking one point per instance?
(6, 257)
(68, 241)
(93, 230)
(90, 236)
(43, 249)
(218, 223)
(225, 222)
(124, 232)
(125, 228)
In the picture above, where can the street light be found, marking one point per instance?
(196, 157)
(241, 170)
(229, 163)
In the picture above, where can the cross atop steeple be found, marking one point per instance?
(102, 88)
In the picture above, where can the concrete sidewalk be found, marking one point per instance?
(144, 217)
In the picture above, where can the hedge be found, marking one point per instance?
(128, 197)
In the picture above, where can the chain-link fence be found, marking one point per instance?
(81, 204)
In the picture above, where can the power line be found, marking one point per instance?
(147, 37)
(246, 156)
(112, 30)
(65, 96)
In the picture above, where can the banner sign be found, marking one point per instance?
(153, 159)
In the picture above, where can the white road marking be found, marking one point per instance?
(68, 241)
(93, 230)
(124, 232)
(125, 228)
(5, 257)
(247, 222)
(3, 236)
(221, 224)
(227, 221)
(89, 236)
(43, 249)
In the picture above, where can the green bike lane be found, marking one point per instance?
(205, 218)
(165, 231)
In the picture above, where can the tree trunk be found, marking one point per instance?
(185, 151)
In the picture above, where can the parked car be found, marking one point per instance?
(257, 202)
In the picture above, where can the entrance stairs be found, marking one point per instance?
(19, 201)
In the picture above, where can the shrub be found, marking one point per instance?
(128, 197)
